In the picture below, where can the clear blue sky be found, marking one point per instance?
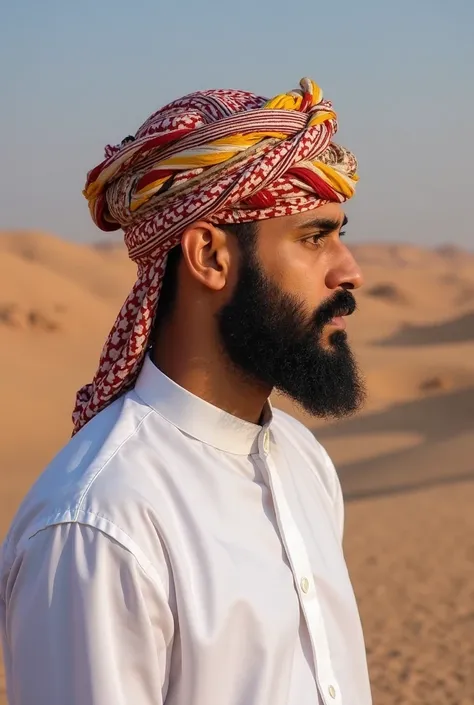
(75, 76)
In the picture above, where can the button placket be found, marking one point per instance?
(301, 568)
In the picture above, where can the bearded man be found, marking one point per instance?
(185, 546)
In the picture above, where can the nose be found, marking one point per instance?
(344, 271)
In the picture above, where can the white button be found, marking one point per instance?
(332, 691)
(304, 584)
(266, 442)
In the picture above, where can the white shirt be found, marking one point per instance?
(172, 553)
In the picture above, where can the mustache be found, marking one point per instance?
(342, 303)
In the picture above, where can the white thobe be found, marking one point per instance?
(172, 553)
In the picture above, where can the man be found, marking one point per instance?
(185, 546)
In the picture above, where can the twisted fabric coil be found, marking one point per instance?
(226, 156)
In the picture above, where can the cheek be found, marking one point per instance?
(301, 273)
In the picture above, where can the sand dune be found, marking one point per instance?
(457, 330)
(444, 451)
(411, 561)
(87, 267)
(407, 256)
(406, 462)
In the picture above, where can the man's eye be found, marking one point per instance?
(314, 239)
(318, 238)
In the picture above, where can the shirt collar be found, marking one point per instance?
(197, 417)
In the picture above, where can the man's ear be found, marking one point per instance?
(206, 253)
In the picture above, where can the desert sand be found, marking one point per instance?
(406, 462)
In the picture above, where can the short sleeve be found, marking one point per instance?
(85, 624)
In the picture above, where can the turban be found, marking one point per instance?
(226, 156)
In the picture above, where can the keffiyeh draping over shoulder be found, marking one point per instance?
(226, 156)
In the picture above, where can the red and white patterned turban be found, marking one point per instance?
(226, 156)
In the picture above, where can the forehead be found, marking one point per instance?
(290, 223)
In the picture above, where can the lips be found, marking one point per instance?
(339, 319)
(333, 311)
(338, 322)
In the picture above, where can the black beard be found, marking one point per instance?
(267, 335)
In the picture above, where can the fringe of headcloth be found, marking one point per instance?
(227, 156)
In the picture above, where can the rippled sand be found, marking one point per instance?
(411, 558)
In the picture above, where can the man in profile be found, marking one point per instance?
(185, 546)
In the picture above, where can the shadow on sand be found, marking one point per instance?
(459, 330)
(446, 455)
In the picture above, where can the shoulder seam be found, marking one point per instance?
(106, 526)
(103, 465)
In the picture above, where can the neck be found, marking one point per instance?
(196, 362)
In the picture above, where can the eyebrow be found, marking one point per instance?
(326, 225)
